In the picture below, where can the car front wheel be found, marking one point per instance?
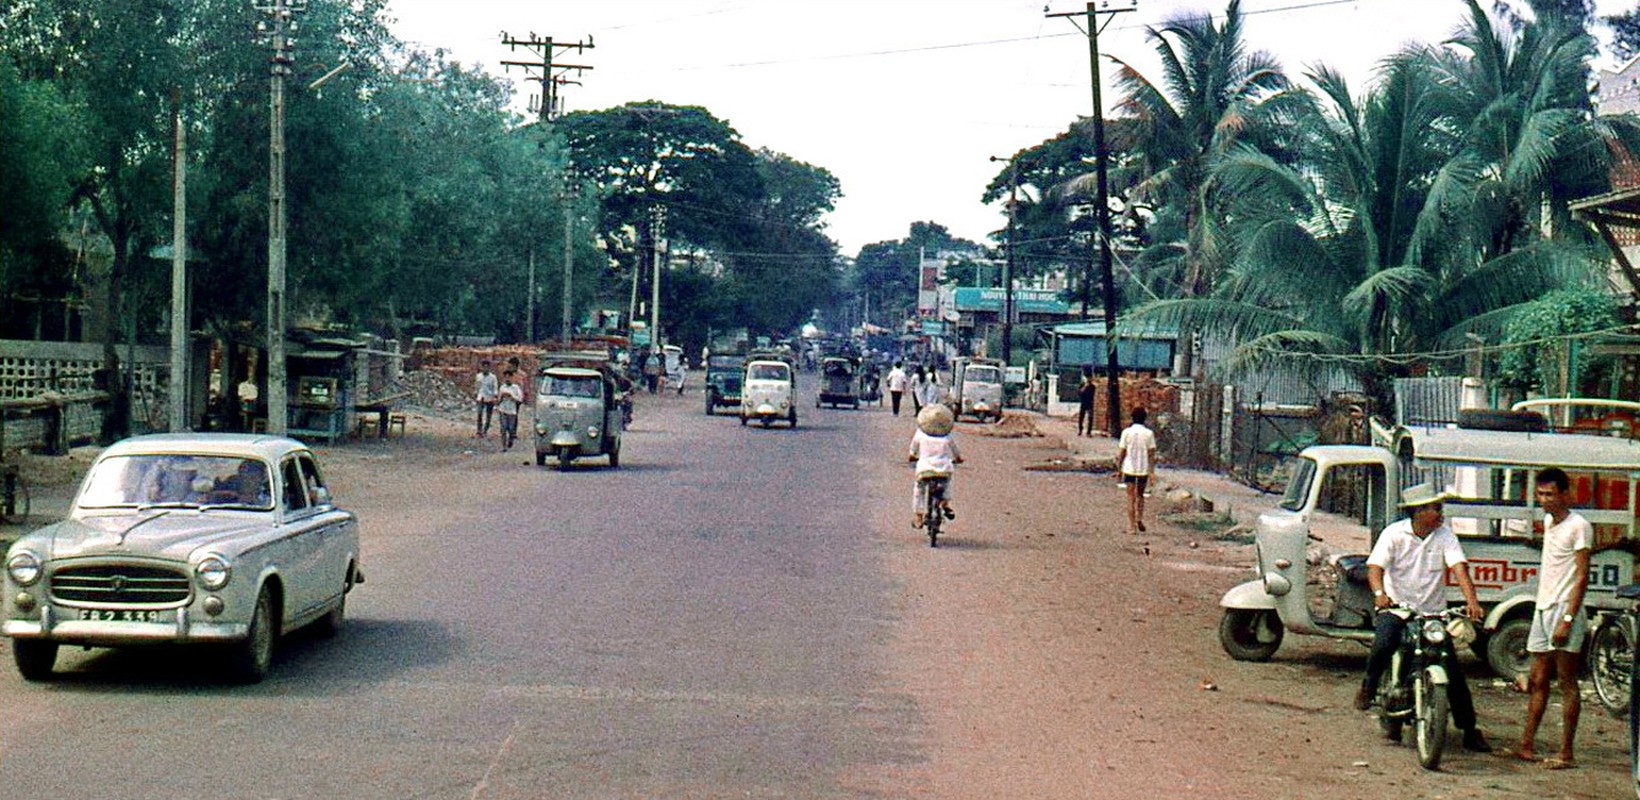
(252, 656)
(35, 659)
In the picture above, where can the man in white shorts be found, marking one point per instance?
(1558, 621)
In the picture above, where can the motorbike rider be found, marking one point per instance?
(1408, 568)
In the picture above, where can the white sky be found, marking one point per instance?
(903, 100)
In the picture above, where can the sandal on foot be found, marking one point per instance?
(949, 514)
(1557, 763)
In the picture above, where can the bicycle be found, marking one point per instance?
(933, 513)
(1611, 659)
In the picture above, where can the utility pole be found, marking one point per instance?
(1008, 264)
(567, 327)
(279, 33)
(529, 312)
(657, 229)
(180, 385)
(1113, 391)
(552, 75)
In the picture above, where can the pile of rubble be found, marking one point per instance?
(437, 390)
(1011, 426)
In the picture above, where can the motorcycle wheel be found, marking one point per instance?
(1611, 661)
(564, 458)
(1240, 630)
(1429, 729)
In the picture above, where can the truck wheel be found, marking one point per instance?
(1506, 648)
(540, 458)
(615, 457)
(1250, 635)
(34, 658)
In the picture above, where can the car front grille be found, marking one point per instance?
(120, 583)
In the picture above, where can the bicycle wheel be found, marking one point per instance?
(931, 512)
(1611, 661)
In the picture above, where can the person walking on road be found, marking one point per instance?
(1136, 459)
(1084, 403)
(511, 397)
(896, 386)
(488, 395)
(1558, 622)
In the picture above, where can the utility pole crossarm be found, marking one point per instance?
(547, 50)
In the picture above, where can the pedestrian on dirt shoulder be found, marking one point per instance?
(1558, 622)
(1084, 403)
(488, 390)
(1408, 568)
(1136, 461)
(935, 454)
(896, 386)
(511, 397)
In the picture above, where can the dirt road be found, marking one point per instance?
(1051, 655)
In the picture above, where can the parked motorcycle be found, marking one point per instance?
(1413, 689)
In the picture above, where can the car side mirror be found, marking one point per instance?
(321, 496)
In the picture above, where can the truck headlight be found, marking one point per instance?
(213, 572)
(24, 568)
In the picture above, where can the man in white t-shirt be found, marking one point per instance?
(896, 386)
(1136, 460)
(1408, 568)
(1558, 621)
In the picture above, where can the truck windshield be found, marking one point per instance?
(1298, 488)
(983, 375)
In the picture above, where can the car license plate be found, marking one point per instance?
(122, 615)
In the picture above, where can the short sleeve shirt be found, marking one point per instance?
(1560, 545)
(488, 387)
(896, 380)
(936, 455)
(1138, 442)
(1414, 568)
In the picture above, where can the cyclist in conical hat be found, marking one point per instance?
(936, 455)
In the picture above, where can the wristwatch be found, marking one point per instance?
(1567, 617)
(1378, 593)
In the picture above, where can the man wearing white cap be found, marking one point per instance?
(1408, 568)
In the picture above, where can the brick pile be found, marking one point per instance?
(1148, 393)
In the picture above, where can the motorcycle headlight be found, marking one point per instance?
(592, 431)
(213, 572)
(1434, 631)
(24, 568)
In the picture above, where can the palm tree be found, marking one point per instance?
(1214, 95)
(1413, 217)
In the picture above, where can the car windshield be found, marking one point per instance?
(177, 481)
(561, 386)
(984, 375)
(767, 372)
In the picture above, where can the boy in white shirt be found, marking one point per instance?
(510, 397)
(1558, 622)
(1136, 459)
(936, 456)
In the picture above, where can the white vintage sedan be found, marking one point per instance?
(223, 539)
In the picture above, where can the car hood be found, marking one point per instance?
(161, 534)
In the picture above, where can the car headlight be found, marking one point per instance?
(1434, 631)
(24, 568)
(213, 572)
(592, 431)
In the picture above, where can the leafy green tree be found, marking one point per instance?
(1533, 361)
(1625, 33)
(41, 160)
